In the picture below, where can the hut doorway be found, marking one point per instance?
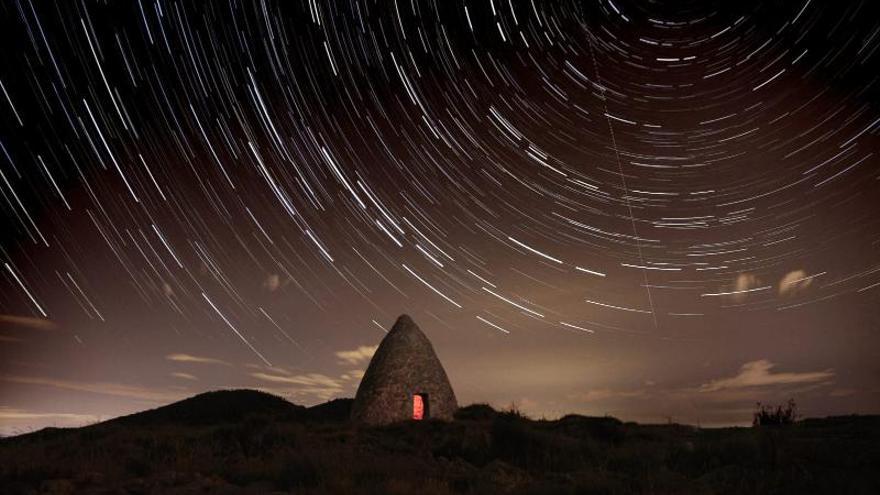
(420, 406)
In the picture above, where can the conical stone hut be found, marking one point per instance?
(404, 380)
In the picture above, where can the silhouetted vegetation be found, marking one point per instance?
(261, 444)
(766, 415)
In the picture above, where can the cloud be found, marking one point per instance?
(794, 282)
(15, 421)
(599, 395)
(843, 392)
(311, 384)
(353, 375)
(12, 414)
(104, 388)
(185, 376)
(759, 374)
(356, 356)
(272, 282)
(189, 358)
(746, 281)
(527, 404)
(310, 379)
(28, 322)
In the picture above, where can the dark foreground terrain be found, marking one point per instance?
(249, 442)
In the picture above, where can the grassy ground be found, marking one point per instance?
(248, 442)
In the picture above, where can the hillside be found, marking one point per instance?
(250, 442)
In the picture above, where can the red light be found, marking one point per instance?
(418, 407)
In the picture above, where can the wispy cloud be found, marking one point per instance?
(314, 385)
(185, 376)
(599, 395)
(759, 374)
(189, 358)
(272, 282)
(353, 375)
(104, 388)
(14, 421)
(843, 392)
(794, 282)
(356, 356)
(27, 322)
(12, 414)
(310, 379)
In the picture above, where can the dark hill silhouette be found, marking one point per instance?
(243, 441)
(221, 406)
(230, 406)
(337, 410)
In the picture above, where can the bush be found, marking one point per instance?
(476, 412)
(524, 444)
(767, 415)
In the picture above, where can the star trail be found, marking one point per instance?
(637, 198)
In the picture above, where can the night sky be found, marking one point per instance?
(658, 210)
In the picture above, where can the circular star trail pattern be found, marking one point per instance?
(601, 169)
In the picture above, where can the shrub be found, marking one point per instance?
(767, 415)
(476, 412)
(523, 443)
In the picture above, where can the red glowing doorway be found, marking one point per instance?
(420, 406)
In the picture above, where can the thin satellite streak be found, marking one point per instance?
(623, 180)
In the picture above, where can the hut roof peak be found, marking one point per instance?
(405, 323)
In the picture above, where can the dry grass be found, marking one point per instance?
(483, 451)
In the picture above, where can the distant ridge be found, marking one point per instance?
(219, 406)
